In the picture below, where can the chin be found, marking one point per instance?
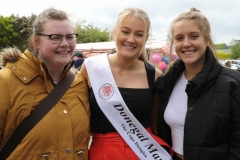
(64, 62)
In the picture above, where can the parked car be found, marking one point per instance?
(235, 64)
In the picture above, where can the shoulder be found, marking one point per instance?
(95, 58)
(154, 69)
(79, 78)
(230, 74)
(4, 74)
(229, 82)
(83, 72)
(149, 66)
(10, 55)
(158, 73)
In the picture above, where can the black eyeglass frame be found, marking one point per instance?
(50, 36)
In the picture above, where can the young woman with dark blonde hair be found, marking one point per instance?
(198, 103)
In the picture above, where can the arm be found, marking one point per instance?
(4, 106)
(155, 109)
(154, 114)
(157, 73)
(235, 124)
(83, 72)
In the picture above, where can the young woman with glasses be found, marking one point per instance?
(27, 78)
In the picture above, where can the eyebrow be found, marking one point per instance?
(188, 33)
(195, 32)
(130, 29)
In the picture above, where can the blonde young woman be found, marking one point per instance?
(27, 78)
(199, 104)
(134, 78)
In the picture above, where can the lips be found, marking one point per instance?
(62, 52)
(128, 46)
(188, 52)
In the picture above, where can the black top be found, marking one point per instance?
(139, 102)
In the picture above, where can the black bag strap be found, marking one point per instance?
(36, 115)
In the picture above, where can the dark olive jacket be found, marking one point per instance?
(212, 122)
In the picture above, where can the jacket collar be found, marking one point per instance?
(27, 67)
(205, 78)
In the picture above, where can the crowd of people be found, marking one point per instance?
(130, 108)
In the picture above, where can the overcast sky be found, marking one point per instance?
(224, 15)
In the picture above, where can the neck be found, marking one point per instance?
(55, 74)
(121, 65)
(189, 73)
(191, 70)
(55, 71)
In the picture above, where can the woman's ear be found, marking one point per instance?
(207, 40)
(35, 41)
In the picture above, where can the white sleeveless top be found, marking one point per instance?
(175, 113)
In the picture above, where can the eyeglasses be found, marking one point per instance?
(57, 38)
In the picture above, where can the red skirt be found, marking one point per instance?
(111, 146)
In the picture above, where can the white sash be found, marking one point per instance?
(113, 106)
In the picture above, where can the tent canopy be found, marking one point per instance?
(151, 44)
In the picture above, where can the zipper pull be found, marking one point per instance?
(45, 155)
(80, 152)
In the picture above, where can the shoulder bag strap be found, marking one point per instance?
(36, 115)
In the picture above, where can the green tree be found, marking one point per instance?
(8, 37)
(15, 30)
(235, 50)
(23, 26)
(87, 33)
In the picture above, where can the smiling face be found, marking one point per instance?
(189, 43)
(131, 37)
(55, 55)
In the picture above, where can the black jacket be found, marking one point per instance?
(212, 123)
